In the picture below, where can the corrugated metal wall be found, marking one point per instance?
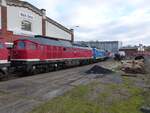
(112, 46)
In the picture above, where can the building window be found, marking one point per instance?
(26, 25)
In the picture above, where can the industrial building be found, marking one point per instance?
(20, 19)
(112, 46)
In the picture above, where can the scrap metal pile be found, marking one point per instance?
(133, 66)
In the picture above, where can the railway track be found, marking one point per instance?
(20, 75)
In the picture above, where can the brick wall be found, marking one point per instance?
(53, 29)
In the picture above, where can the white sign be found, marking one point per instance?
(26, 16)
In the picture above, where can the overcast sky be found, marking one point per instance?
(123, 20)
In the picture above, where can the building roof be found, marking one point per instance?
(128, 48)
(19, 3)
(104, 41)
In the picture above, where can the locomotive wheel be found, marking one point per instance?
(47, 69)
(2, 76)
(33, 71)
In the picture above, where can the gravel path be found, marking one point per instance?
(23, 94)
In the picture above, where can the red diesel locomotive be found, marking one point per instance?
(4, 64)
(41, 54)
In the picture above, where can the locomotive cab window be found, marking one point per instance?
(26, 25)
(21, 45)
(1, 45)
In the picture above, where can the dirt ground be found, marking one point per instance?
(108, 93)
(21, 95)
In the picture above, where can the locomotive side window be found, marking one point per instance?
(68, 49)
(1, 45)
(21, 45)
(32, 46)
(42, 47)
(65, 49)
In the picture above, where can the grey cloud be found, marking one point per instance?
(119, 23)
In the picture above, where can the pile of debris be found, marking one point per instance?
(98, 70)
(133, 66)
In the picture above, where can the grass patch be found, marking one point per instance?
(147, 98)
(106, 101)
(129, 85)
(131, 105)
(3, 93)
(72, 102)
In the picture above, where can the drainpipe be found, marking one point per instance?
(43, 22)
(72, 35)
(3, 16)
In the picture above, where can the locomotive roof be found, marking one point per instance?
(99, 49)
(55, 42)
(45, 41)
